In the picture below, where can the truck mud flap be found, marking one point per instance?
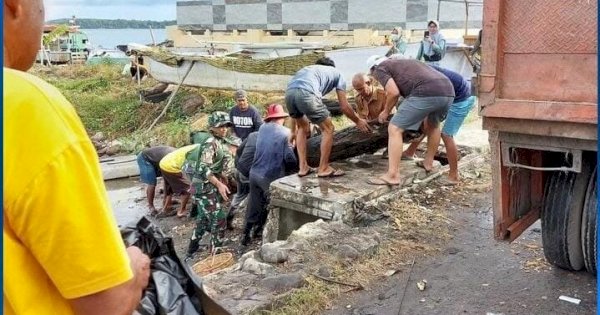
(562, 210)
(589, 224)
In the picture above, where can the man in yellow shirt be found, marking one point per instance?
(63, 253)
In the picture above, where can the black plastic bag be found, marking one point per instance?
(173, 289)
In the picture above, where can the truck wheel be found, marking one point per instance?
(561, 217)
(588, 225)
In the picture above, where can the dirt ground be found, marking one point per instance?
(474, 274)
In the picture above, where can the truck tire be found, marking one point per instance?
(564, 197)
(589, 225)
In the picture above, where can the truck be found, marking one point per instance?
(538, 100)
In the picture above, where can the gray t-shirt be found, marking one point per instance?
(318, 79)
(413, 78)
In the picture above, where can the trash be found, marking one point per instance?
(422, 285)
(569, 299)
(173, 288)
(348, 306)
(485, 285)
(490, 313)
(422, 300)
(390, 273)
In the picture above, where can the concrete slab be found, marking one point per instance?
(119, 167)
(298, 200)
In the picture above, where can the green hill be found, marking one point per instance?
(115, 24)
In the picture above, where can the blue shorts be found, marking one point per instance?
(148, 172)
(456, 115)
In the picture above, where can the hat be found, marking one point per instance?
(239, 94)
(275, 111)
(219, 119)
(434, 22)
(374, 60)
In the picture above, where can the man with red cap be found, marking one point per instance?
(273, 159)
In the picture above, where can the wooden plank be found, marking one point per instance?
(519, 226)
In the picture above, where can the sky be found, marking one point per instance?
(156, 10)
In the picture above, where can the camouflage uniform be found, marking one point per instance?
(210, 158)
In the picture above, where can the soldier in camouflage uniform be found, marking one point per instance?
(208, 167)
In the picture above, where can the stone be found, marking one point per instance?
(347, 251)
(325, 271)
(283, 282)
(251, 254)
(192, 105)
(114, 147)
(274, 253)
(253, 266)
(98, 136)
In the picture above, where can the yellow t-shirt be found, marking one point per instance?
(61, 239)
(173, 162)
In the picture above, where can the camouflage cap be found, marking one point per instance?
(219, 119)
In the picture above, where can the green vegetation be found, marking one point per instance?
(115, 24)
(109, 102)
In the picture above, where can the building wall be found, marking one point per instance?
(307, 15)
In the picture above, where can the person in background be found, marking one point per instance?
(245, 117)
(398, 41)
(273, 159)
(458, 111)
(209, 182)
(148, 162)
(137, 66)
(243, 161)
(427, 94)
(63, 253)
(303, 99)
(433, 45)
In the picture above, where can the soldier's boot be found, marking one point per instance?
(230, 216)
(246, 239)
(192, 248)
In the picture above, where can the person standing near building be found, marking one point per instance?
(148, 162)
(433, 44)
(273, 159)
(63, 253)
(245, 117)
(304, 101)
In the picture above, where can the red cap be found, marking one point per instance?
(275, 111)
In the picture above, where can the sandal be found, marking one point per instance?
(421, 165)
(380, 182)
(334, 173)
(310, 171)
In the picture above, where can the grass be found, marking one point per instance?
(108, 101)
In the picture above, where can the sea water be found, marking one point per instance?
(110, 38)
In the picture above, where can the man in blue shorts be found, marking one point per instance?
(427, 94)
(148, 161)
(460, 108)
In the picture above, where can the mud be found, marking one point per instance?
(474, 274)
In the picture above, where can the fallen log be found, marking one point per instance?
(350, 142)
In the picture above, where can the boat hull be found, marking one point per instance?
(349, 61)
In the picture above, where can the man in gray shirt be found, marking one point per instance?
(303, 99)
(427, 94)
